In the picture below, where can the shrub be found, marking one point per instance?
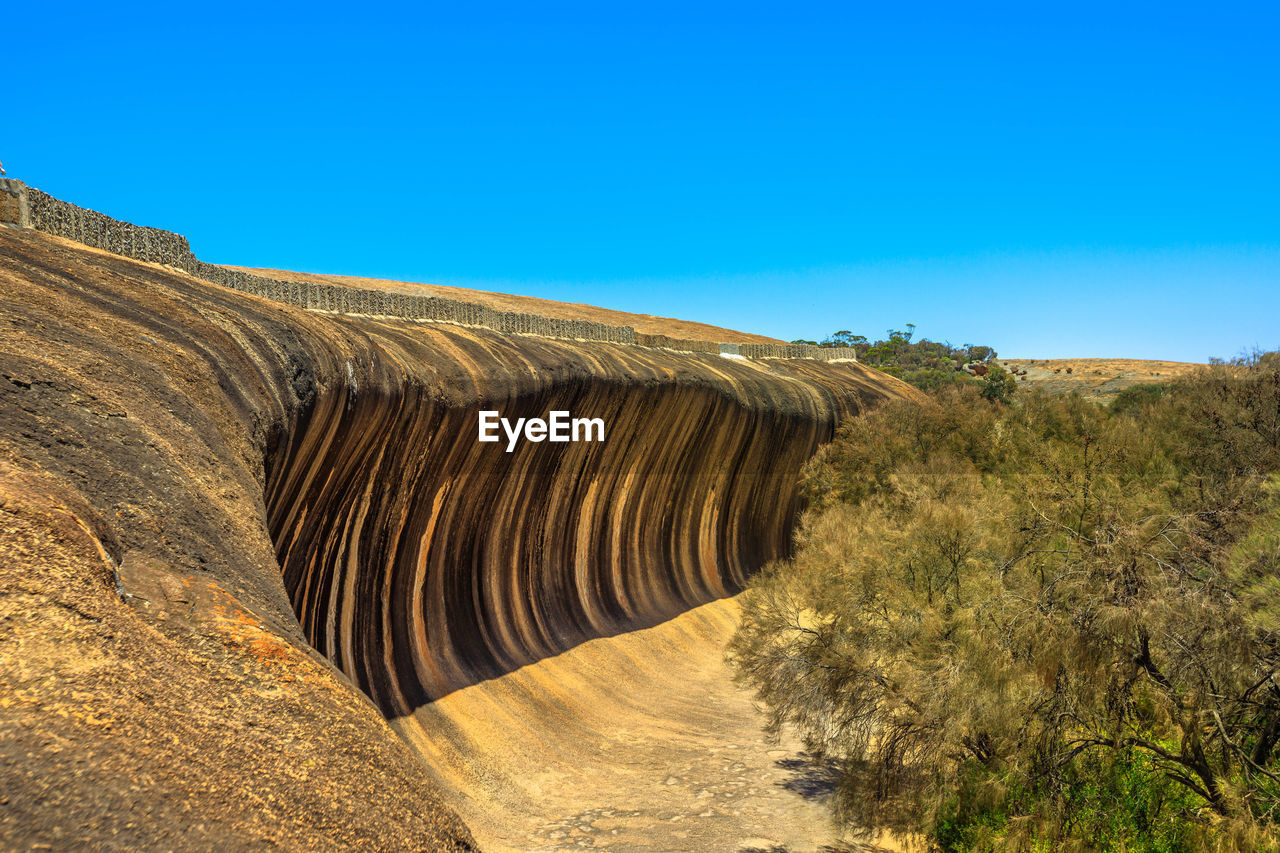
(1040, 626)
(1137, 397)
(926, 364)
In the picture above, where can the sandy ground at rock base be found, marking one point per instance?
(637, 742)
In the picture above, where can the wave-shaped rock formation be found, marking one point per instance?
(232, 463)
(422, 560)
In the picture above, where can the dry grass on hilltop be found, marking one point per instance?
(1094, 378)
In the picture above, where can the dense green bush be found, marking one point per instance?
(1040, 626)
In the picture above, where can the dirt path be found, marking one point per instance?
(634, 742)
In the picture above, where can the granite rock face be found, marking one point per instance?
(228, 483)
(421, 560)
(155, 689)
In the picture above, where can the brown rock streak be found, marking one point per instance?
(423, 560)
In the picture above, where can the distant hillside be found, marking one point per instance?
(1094, 378)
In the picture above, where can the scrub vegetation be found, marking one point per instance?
(1040, 624)
(924, 363)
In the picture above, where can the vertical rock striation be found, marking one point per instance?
(421, 560)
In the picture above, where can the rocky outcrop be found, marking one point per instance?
(234, 462)
(155, 690)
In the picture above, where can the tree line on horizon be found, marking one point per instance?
(924, 363)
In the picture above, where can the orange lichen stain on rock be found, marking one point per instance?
(241, 630)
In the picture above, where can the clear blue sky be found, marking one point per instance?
(1083, 180)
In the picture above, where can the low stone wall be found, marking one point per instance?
(53, 216)
(383, 303)
(28, 207)
(797, 351)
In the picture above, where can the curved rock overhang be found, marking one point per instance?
(422, 560)
(206, 428)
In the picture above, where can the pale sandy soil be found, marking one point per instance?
(1094, 378)
(635, 742)
(644, 323)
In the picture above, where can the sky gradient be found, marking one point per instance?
(1092, 180)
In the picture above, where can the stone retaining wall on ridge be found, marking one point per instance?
(28, 207)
